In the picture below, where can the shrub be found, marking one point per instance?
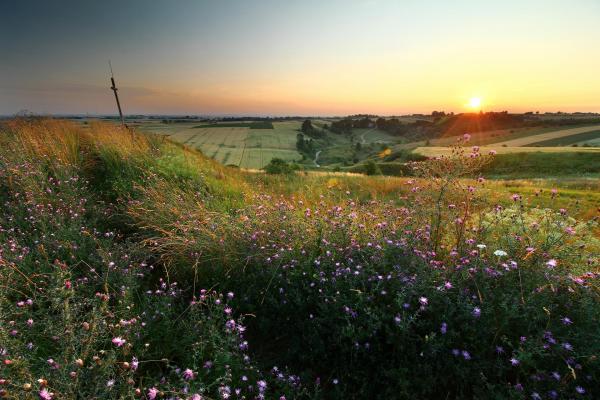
(278, 166)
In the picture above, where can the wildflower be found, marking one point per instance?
(423, 300)
(444, 328)
(514, 362)
(466, 355)
(466, 137)
(552, 263)
(579, 389)
(134, 364)
(262, 386)
(492, 152)
(481, 246)
(118, 341)
(45, 395)
(516, 197)
(152, 393)
(188, 374)
(567, 346)
(500, 253)
(476, 312)
(566, 321)
(448, 285)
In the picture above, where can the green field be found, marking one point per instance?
(251, 125)
(580, 138)
(239, 144)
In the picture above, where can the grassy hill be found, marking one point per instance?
(133, 266)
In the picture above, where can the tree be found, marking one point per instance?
(371, 168)
(307, 126)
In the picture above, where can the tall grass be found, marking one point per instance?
(133, 267)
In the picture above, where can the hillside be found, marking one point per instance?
(134, 266)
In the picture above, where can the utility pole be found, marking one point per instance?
(114, 89)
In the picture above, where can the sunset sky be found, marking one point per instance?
(299, 57)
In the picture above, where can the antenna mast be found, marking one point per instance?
(114, 89)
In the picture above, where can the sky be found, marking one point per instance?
(287, 57)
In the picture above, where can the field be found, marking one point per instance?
(445, 151)
(543, 140)
(552, 135)
(238, 144)
(134, 267)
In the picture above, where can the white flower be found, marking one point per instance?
(500, 253)
(481, 246)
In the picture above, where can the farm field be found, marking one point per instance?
(591, 138)
(237, 144)
(436, 151)
(552, 135)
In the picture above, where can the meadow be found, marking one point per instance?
(133, 266)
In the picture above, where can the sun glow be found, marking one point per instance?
(475, 102)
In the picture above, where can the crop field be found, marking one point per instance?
(249, 145)
(591, 138)
(555, 134)
(436, 151)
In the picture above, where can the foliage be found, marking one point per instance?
(279, 166)
(131, 267)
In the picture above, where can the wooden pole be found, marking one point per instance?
(114, 89)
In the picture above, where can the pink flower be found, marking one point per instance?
(492, 152)
(45, 395)
(466, 137)
(516, 197)
(118, 341)
(188, 374)
(152, 393)
(552, 263)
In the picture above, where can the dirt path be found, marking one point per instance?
(362, 137)
(317, 158)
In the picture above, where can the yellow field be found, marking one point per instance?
(524, 141)
(446, 151)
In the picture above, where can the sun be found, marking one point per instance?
(475, 102)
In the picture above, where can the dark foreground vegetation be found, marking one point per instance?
(131, 267)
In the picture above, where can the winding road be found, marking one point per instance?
(317, 158)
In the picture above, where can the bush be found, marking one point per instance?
(277, 166)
